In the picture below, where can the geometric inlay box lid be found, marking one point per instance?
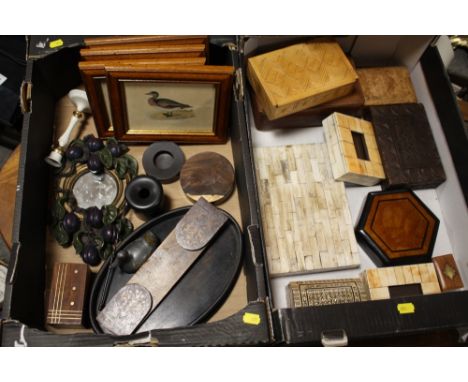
(300, 76)
(397, 228)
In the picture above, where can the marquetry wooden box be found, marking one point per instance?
(300, 76)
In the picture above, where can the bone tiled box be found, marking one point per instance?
(353, 151)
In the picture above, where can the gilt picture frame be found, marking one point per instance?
(94, 78)
(180, 103)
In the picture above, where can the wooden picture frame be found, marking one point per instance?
(94, 78)
(180, 103)
(118, 52)
(105, 41)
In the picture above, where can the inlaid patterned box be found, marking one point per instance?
(300, 76)
(326, 292)
(386, 85)
(353, 151)
(400, 281)
(447, 272)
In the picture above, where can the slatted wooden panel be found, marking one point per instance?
(306, 220)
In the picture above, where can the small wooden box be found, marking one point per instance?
(353, 151)
(67, 295)
(300, 76)
(407, 147)
(386, 86)
(447, 272)
(397, 228)
(383, 283)
(326, 292)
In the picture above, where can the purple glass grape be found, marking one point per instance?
(94, 144)
(94, 164)
(90, 255)
(71, 223)
(74, 152)
(109, 234)
(115, 149)
(94, 217)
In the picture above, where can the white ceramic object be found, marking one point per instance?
(80, 100)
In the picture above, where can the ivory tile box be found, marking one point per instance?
(300, 76)
(305, 214)
(383, 283)
(353, 151)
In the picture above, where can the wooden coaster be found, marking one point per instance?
(208, 175)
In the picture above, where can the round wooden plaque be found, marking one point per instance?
(208, 175)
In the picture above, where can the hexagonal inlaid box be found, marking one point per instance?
(397, 228)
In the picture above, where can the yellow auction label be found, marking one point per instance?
(406, 308)
(56, 43)
(251, 319)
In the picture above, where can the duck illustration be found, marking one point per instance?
(165, 103)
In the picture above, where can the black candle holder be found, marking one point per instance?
(144, 194)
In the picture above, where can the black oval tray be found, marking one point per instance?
(197, 294)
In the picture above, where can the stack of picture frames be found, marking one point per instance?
(148, 88)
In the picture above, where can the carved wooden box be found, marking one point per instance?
(353, 151)
(386, 86)
(300, 76)
(396, 228)
(447, 272)
(407, 147)
(401, 281)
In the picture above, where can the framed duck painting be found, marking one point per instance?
(181, 103)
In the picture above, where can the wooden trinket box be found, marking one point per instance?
(447, 272)
(401, 281)
(326, 292)
(300, 76)
(397, 228)
(386, 85)
(407, 147)
(353, 151)
(67, 299)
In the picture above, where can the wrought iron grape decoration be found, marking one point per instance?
(94, 229)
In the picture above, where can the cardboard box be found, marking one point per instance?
(260, 321)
